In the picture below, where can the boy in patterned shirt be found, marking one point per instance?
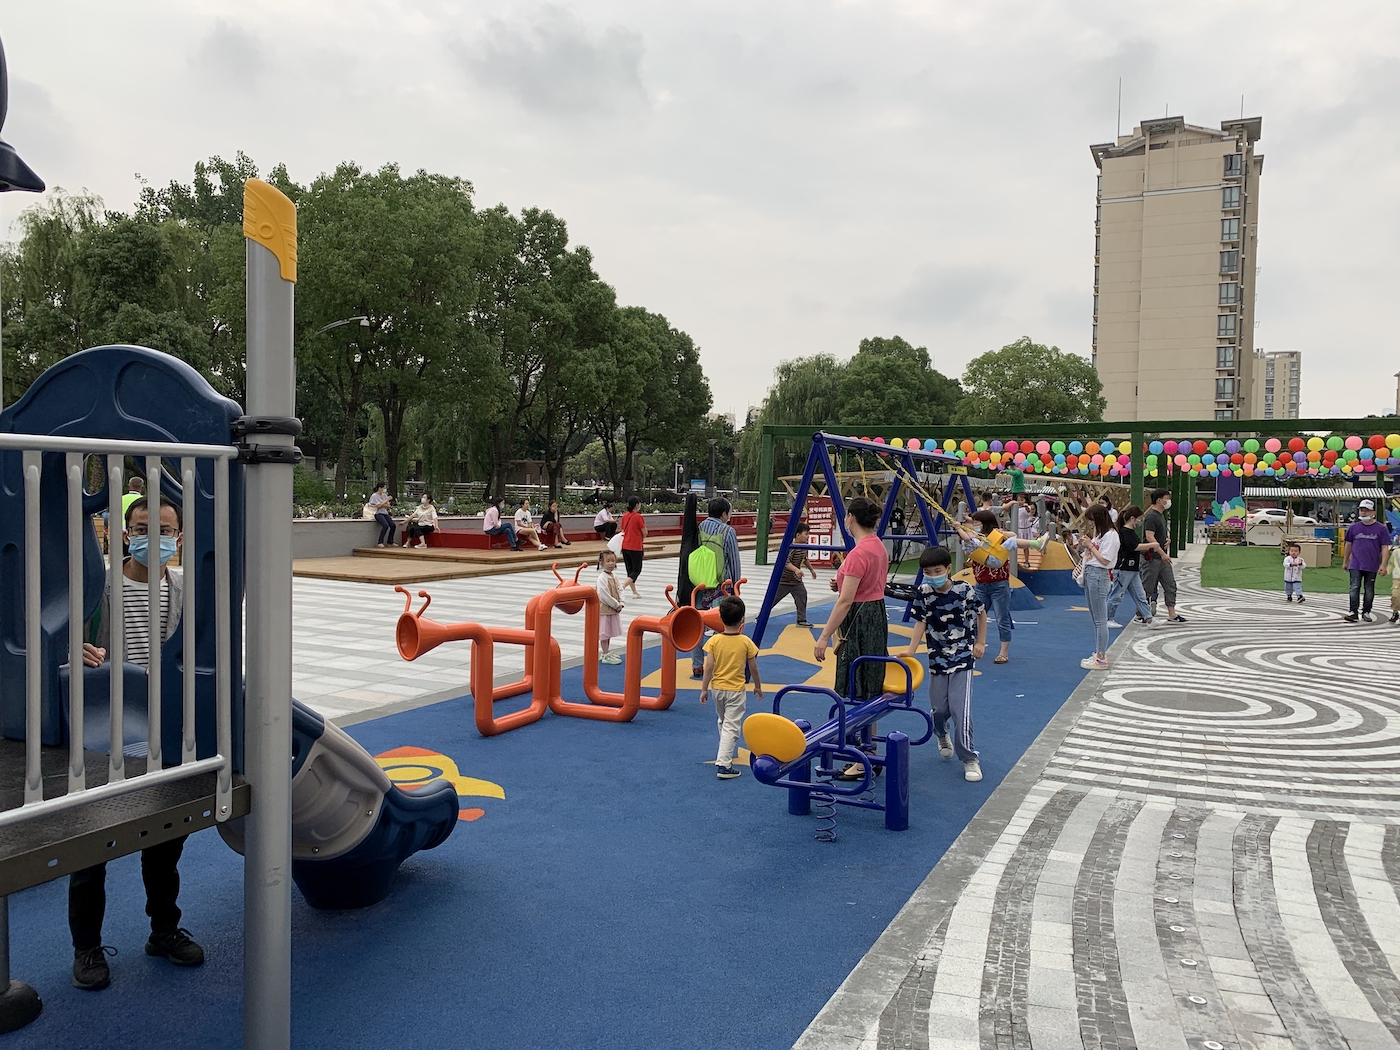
(955, 625)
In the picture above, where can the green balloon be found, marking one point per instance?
(1057, 447)
(1349, 455)
(979, 446)
(1151, 461)
(1335, 443)
(1194, 460)
(1217, 446)
(1251, 445)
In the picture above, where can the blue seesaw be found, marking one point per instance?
(785, 749)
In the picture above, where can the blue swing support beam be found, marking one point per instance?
(912, 463)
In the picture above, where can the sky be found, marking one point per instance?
(778, 178)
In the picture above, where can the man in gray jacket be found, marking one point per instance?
(87, 895)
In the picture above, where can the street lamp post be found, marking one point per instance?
(710, 481)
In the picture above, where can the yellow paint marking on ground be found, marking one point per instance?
(741, 759)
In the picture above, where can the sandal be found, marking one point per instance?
(1002, 660)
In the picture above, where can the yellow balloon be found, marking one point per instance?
(1316, 444)
(896, 442)
(1392, 441)
(950, 445)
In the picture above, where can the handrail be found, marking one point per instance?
(79, 509)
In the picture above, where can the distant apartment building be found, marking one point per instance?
(1277, 377)
(1175, 230)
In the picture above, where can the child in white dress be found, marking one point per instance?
(610, 613)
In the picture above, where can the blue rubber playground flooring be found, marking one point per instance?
(618, 896)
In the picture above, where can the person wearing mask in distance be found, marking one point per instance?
(1156, 560)
(494, 525)
(87, 894)
(992, 576)
(422, 523)
(1363, 551)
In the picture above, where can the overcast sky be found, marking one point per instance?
(777, 178)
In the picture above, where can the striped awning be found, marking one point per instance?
(1285, 492)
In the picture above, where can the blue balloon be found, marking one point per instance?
(1367, 453)
(1155, 448)
(1076, 447)
(1107, 447)
(1207, 459)
(1060, 458)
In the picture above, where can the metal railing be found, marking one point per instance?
(76, 452)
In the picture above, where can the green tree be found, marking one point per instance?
(1026, 382)
(891, 383)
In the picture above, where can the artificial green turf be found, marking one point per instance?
(1261, 569)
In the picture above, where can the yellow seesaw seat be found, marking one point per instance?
(768, 734)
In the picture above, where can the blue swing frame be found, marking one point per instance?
(819, 460)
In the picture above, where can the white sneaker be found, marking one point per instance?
(945, 745)
(1115, 625)
(972, 771)
(610, 658)
(542, 547)
(1093, 663)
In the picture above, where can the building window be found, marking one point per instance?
(1096, 275)
(1096, 306)
(1224, 413)
(1230, 229)
(1234, 164)
(1098, 214)
(1225, 357)
(1096, 246)
(1230, 261)
(1229, 293)
(1230, 197)
(1093, 337)
(1225, 326)
(1225, 388)
(1099, 190)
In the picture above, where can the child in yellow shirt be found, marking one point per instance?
(726, 656)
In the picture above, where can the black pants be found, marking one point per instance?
(414, 531)
(633, 561)
(606, 530)
(387, 528)
(798, 590)
(87, 894)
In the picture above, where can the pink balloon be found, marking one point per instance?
(1273, 445)
(912, 443)
(1169, 447)
(1042, 447)
(1354, 442)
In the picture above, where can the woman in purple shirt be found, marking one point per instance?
(1363, 550)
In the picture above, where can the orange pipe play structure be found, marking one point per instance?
(681, 629)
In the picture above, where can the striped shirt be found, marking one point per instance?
(136, 634)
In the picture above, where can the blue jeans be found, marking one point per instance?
(997, 598)
(1361, 578)
(508, 527)
(387, 528)
(1096, 584)
(1292, 587)
(1129, 583)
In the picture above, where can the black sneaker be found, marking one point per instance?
(727, 773)
(697, 673)
(1289, 599)
(1350, 617)
(1178, 618)
(1368, 617)
(1395, 617)
(177, 946)
(90, 970)
(805, 623)
(1301, 599)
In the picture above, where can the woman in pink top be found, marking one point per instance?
(859, 611)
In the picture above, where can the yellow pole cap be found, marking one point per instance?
(270, 218)
(770, 734)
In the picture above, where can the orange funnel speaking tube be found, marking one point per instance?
(680, 629)
(415, 636)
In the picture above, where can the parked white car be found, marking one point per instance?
(1277, 516)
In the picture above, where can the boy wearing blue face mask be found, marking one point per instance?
(87, 894)
(955, 626)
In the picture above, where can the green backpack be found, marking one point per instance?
(703, 565)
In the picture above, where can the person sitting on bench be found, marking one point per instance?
(604, 524)
(494, 525)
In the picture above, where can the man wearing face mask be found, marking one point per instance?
(1363, 551)
(1157, 564)
(87, 895)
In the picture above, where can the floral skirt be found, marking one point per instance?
(864, 632)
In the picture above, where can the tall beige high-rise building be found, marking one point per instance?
(1174, 261)
(1277, 378)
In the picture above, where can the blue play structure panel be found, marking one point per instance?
(124, 393)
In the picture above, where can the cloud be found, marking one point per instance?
(39, 131)
(556, 66)
(230, 54)
(940, 292)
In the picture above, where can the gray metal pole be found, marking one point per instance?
(269, 224)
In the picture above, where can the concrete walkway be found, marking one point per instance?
(1202, 851)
